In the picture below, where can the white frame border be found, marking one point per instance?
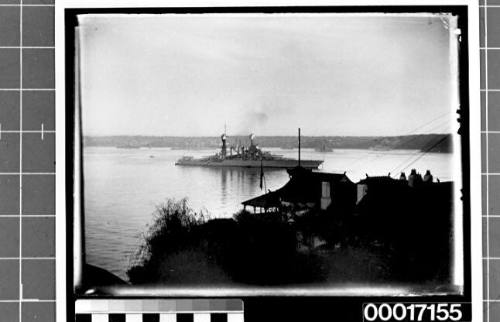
(474, 120)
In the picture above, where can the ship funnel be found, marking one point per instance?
(252, 136)
(224, 146)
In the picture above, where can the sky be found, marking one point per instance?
(268, 74)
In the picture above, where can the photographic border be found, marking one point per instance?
(65, 124)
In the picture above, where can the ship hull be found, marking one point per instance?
(277, 164)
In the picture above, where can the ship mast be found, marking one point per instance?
(299, 146)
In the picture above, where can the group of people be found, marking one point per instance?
(415, 178)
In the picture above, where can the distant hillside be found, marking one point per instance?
(424, 142)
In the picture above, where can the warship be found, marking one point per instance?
(247, 157)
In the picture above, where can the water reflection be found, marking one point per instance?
(220, 191)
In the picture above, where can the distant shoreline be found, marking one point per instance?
(441, 143)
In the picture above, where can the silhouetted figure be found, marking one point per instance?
(415, 179)
(402, 176)
(428, 178)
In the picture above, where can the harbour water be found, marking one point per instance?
(122, 187)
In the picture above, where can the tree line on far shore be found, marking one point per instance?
(424, 142)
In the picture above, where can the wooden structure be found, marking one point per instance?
(306, 189)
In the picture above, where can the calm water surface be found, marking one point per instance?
(123, 186)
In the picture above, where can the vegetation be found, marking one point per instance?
(182, 246)
(186, 247)
(427, 142)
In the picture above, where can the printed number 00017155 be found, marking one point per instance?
(413, 312)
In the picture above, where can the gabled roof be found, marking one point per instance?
(268, 200)
(304, 186)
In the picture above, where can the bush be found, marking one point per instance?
(171, 231)
(182, 246)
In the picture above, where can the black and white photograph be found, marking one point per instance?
(272, 150)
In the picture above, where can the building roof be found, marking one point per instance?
(319, 176)
(378, 180)
(304, 186)
(268, 200)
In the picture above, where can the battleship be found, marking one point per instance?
(247, 157)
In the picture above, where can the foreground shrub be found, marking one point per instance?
(171, 231)
(183, 247)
